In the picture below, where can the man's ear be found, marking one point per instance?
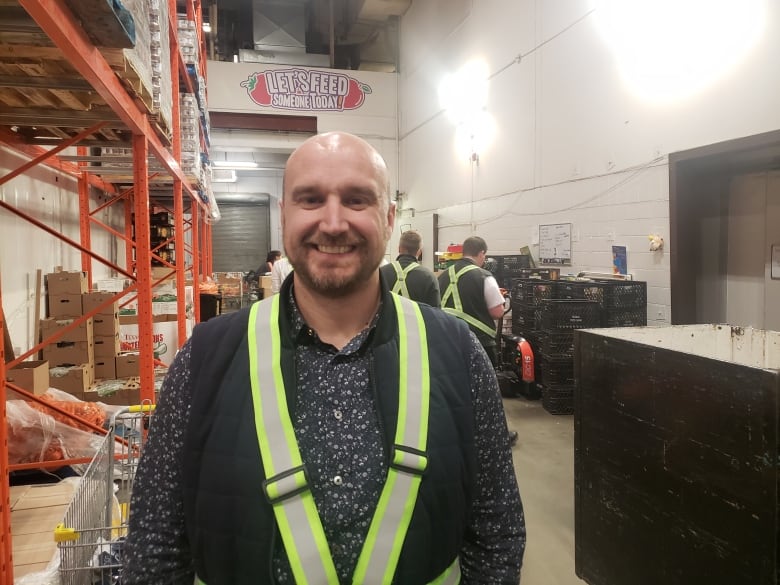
(390, 219)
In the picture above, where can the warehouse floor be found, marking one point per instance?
(544, 464)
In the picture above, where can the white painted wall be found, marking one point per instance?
(573, 144)
(52, 199)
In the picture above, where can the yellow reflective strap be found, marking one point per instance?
(400, 287)
(471, 321)
(451, 575)
(382, 548)
(293, 504)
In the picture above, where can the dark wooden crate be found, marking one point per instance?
(675, 461)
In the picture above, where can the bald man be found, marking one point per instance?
(334, 433)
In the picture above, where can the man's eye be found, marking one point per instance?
(357, 202)
(310, 200)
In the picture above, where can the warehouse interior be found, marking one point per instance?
(621, 160)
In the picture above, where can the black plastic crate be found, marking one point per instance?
(581, 289)
(625, 317)
(523, 319)
(624, 294)
(556, 372)
(507, 268)
(530, 292)
(558, 399)
(557, 345)
(569, 314)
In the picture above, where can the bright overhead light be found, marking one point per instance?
(243, 164)
(669, 50)
(206, 27)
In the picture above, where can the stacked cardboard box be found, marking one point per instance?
(72, 354)
(32, 376)
(106, 329)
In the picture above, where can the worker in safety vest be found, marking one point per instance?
(407, 277)
(335, 432)
(471, 293)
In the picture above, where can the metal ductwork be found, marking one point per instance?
(345, 34)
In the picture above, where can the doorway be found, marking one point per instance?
(724, 218)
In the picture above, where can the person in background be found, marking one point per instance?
(471, 293)
(407, 277)
(281, 269)
(270, 260)
(335, 432)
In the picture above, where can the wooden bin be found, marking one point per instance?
(676, 455)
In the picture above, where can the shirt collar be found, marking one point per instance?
(305, 335)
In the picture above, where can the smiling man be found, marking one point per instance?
(333, 433)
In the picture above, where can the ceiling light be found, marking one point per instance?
(206, 27)
(243, 164)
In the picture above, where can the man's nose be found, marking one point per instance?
(333, 218)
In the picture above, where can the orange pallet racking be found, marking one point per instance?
(124, 115)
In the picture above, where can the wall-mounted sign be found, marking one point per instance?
(306, 90)
(555, 243)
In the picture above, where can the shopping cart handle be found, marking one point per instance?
(64, 534)
(141, 408)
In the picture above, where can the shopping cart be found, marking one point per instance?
(91, 536)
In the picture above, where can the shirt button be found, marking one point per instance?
(310, 332)
(337, 414)
(337, 480)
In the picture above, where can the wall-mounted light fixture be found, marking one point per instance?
(463, 95)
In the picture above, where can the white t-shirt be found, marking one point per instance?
(493, 296)
(279, 272)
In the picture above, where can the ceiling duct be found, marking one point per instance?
(279, 35)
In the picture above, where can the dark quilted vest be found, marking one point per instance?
(231, 527)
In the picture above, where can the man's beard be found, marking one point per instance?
(334, 283)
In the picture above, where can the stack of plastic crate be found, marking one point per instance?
(558, 318)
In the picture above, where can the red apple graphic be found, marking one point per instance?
(257, 89)
(356, 94)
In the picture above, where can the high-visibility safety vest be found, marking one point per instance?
(457, 308)
(401, 273)
(286, 486)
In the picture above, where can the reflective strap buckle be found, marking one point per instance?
(285, 485)
(409, 460)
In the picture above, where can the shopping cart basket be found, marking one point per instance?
(91, 536)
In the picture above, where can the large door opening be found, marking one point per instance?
(725, 217)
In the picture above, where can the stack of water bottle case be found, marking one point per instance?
(546, 313)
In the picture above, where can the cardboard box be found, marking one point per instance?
(70, 283)
(35, 512)
(122, 397)
(165, 307)
(105, 368)
(106, 346)
(92, 300)
(33, 376)
(127, 365)
(113, 285)
(69, 353)
(104, 324)
(63, 305)
(265, 281)
(82, 331)
(165, 334)
(74, 380)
